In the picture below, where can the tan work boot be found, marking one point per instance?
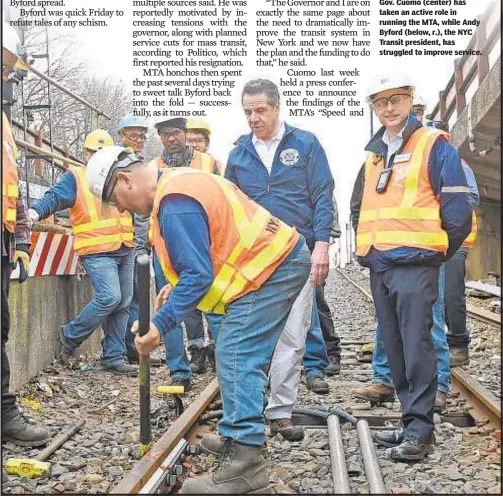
(215, 445)
(440, 401)
(242, 470)
(375, 393)
(286, 428)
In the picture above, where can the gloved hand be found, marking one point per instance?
(24, 259)
(33, 216)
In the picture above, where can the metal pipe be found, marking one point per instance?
(339, 470)
(370, 462)
(67, 91)
(42, 151)
(211, 415)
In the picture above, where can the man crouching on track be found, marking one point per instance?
(223, 254)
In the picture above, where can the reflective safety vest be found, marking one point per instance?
(247, 242)
(470, 240)
(10, 179)
(407, 214)
(98, 227)
(201, 161)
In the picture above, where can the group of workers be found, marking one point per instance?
(247, 247)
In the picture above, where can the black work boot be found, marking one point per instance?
(135, 360)
(334, 366)
(242, 470)
(412, 449)
(389, 439)
(459, 356)
(24, 431)
(214, 445)
(122, 369)
(177, 381)
(65, 353)
(211, 357)
(317, 385)
(286, 428)
(198, 360)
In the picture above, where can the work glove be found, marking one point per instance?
(33, 216)
(23, 259)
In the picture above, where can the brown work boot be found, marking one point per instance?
(376, 392)
(286, 428)
(242, 470)
(440, 401)
(215, 445)
(459, 357)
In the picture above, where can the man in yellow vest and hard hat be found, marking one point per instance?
(103, 240)
(413, 214)
(198, 136)
(17, 428)
(230, 258)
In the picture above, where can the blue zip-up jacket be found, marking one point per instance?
(63, 195)
(299, 189)
(449, 183)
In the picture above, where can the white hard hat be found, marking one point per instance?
(386, 82)
(101, 165)
(419, 102)
(12, 43)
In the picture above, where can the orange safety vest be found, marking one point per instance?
(98, 228)
(201, 161)
(408, 212)
(10, 179)
(247, 242)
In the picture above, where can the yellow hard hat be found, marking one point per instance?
(98, 139)
(198, 124)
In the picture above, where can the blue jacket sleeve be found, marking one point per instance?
(449, 184)
(472, 184)
(62, 195)
(230, 173)
(185, 229)
(321, 187)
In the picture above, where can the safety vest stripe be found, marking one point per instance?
(84, 243)
(11, 190)
(406, 238)
(411, 213)
(90, 203)
(205, 163)
(412, 181)
(126, 221)
(471, 237)
(455, 189)
(11, 215)
(91, 226)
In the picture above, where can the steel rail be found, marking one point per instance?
(143, 471)
(340, 478)
(370, 462)
(484, 405)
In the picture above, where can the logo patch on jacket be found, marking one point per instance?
(289, 156)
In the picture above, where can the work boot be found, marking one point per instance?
(440, 401)
(214, 445)
(375, 393)
(459, 356)
(65, 353)
(24, 431)
(317, 385)
(135, 360)
(412, 449)
(177, 381)
(198, 360)
(286, 428)
(122, 369)
(334, 367)
(389, 439)
(211, 357)
(242, 470)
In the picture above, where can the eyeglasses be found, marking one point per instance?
(198, 140)
(136, 137)
(167, 133)
(382, 103)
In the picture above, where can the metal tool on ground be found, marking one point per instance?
(370, 462)
(174, 392)
(143, 274)
(38, 467)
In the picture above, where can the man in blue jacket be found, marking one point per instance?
(285, 170)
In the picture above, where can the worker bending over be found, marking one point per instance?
(414, 214)
(223, 254)
(103, 240)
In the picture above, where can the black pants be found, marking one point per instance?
(404, 297)
(194, 328)
(9, 408)
(332, 341)
(455, 303)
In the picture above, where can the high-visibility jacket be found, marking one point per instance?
(97, 228)
(407, 214)
(201, 161)
(10, 179)
(247, 242)
(470, 240)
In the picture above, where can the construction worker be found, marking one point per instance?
(285, 170)
(103, 240)
(133, 134)
(198, 136)
(177, 153)
(225, 255)
(382, 388)
(414, 213)
(17, 428)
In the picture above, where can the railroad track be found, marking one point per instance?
(482, 404)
